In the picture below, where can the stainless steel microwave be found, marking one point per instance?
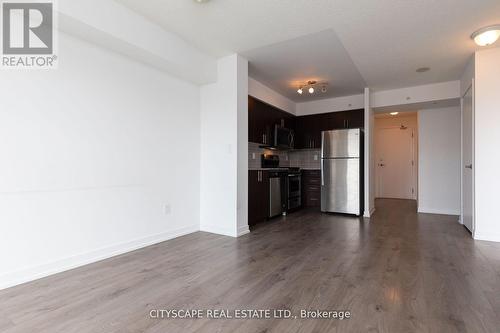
(283, 137)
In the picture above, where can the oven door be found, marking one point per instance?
(294, 187)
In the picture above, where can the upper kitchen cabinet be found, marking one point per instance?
(308, 131)
(354, 118)
(263, 118)
(309, 128)
(344, 119)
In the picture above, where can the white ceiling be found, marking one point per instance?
(320, 57)
(386, 40)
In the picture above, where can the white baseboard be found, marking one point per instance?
(426, 210)
(243, 230)
(33, 273)
(214, 229)
(486, 237)
(368, 214)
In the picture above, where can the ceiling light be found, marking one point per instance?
(486, 36)
(394, 113)
(201, 1)
(311, 86)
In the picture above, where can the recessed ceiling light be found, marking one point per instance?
(394, 113)
(486, 36)
(423, 69)
(311, 90)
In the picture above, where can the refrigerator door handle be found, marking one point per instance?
(322, 170)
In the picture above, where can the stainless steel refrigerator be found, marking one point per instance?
(342, 171)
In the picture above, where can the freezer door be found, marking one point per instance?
(340, 188)
(340, 143)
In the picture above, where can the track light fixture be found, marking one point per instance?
(310, 86)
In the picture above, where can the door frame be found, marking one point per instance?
(471, 87)
(414, 169)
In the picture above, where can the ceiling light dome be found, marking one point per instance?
(487, 36)
(311, 90)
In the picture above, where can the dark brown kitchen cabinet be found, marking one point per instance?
(311, 188)
(345, 119)
(309, 128)
(258, 196)
(308, 131)
(259, 122)
(263, 118)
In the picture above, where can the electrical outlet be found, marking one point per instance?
(253, 156)
(315, 157)
(168, 209)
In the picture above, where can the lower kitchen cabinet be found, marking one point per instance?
(258, 196)
(311, 188)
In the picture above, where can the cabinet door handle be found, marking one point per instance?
(347, 123)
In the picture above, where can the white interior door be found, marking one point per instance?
(395, 163)
(468, 159)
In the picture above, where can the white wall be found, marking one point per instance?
(417, 94)
(354, 102)
(467, 76)
(487, 138)
(266, 94)
(439, 161)
(92, 154)
(133, 35)
(223, 108)
(242, 141)
(369, 155)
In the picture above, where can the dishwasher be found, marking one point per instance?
(277, 188)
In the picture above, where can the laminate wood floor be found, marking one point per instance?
(400, 272)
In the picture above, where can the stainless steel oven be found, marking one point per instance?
(294, 190)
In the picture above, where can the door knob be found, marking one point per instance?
(382, 165)
(468, 166)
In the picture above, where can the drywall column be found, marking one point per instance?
(224, 161)
(369, 159)
(487, 137)
(242, 139)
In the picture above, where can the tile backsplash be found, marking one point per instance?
(304, 159)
